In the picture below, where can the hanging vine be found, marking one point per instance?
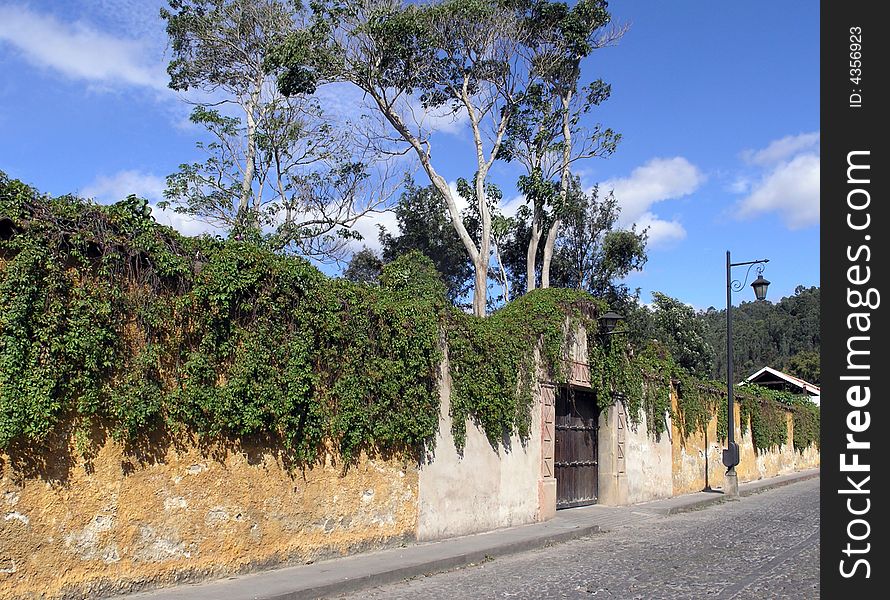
(107, 317)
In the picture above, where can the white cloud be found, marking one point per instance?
(512, 206)
(661, 233)
(658, 180)
(368, 224)
(79, 50)
(740, 185)
(114, 188)
(438, 120)
(110, 189)
(791, 189)
(783, 149)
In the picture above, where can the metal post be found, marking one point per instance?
(730, 455)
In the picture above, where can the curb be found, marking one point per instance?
(432, 567)
(746, 489)
(755, 487)
(712, 498)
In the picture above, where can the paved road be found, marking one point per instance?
(763, 546)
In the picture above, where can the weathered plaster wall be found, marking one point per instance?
(111, 524)
(648, 462)
(690, 457)
(697, 459)
(756, 465)
(482, 488)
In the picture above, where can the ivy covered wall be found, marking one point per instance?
(108, 319)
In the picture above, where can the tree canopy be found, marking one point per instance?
(471, 58)
(274, 165)
(769, 334)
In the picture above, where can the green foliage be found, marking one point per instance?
(592, 253)
(107, 318)
(275, 168)
(769, 428)
(806, 365)
(364, 267)
(492, 360)
(642, 380)
(767, 334)
(424, 225)
(806, 423)
(677, 326)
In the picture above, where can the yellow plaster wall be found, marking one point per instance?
(692, 455)
(114, 523)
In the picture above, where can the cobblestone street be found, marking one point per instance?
(762, 546)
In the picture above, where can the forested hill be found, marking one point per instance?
(783, 335)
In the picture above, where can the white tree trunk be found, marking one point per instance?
(249, 156)
(532, 255)
(548, 253)
(563, 189)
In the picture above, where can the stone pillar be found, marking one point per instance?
(611, 442)
(547, 478)
(731, 484)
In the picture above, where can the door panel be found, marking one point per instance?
(575, 460)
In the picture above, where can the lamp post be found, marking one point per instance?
(731, 453)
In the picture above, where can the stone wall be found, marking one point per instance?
(698, 459)
(121, 521)
(125, 519)
(481, 488)
(649, 463)
(113, 519)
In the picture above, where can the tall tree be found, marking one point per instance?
(273, 163)
(592, 253)
(546, 135)
(806, 365)
(463, 57)
(680, 329)
(502, 229)
(364, 267)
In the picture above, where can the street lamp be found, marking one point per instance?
(731, 453)
(609, 321)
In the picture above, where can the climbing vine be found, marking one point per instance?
(108, 318)
(492, 360)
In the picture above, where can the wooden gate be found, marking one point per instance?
(575, 451)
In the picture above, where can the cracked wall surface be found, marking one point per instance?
(112, 522)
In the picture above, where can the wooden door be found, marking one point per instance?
(575, 451)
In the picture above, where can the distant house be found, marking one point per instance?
(777, 380)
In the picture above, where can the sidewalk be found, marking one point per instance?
(351, 573)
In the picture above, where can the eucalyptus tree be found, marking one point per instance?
(679, 327)
(546, 135)
(458, 58)
(364, 267)
(274, 165)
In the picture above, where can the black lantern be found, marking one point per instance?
(760, 284)
(609, 321)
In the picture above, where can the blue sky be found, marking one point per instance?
(718, 105)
